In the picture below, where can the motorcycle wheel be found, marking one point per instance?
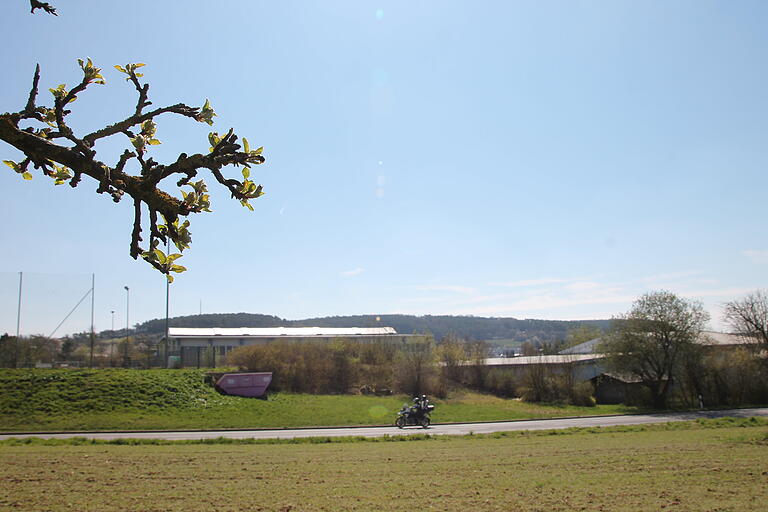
(400, 422)
(425, 422)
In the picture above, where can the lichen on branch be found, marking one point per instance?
(51, 146)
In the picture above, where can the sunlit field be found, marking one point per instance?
(709, 465)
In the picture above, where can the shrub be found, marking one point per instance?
(341, 366)
(501, 383)
(543, 384)
(582, 394)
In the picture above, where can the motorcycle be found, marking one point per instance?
(414, 416)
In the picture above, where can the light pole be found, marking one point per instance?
(93, 332)
(112, 345)
(18, 324)
(127, 311)
(164, 363)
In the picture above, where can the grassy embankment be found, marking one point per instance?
(179, 399)
(706, 465)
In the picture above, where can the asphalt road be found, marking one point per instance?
(451, 429)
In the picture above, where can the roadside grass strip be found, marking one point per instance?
(704, 423)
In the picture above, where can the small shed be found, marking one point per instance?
(613, 388)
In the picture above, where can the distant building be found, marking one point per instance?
(616, 388)
(585, 361)
(186, 344)
(583, 366)
(711, 339)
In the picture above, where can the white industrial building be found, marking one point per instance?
(186, 344)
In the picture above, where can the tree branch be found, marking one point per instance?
(36, 4)
(29, 110)
(136, 119)
(69, 164)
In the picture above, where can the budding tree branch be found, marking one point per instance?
(36, 4)
(53, 147)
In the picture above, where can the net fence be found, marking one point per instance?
(52, 315)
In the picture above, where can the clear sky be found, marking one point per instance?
(512, 158)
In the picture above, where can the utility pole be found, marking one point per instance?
(112, 344)
(167, 308)
(127, 323)
(93, 286)
(18, 325)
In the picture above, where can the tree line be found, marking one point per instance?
(660, 344)
(420, 366)
(656, 348)
(75, 350)
(537, 332)
(656, 345)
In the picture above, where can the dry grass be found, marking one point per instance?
(688, 469)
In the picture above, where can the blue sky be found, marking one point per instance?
(525, 159)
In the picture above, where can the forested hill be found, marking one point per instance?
(157, 326)
(471, 327)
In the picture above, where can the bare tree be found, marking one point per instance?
(52, 146)
(748, 317)
(416, 370)
(655, 340)
(452, 354)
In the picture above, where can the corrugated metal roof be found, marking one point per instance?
(707, 338)
(275, 332)
(721, 338)
(544, 359)
(588, 347)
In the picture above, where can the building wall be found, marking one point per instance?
(197, 351)
(582, 370)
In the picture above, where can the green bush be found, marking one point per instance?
(542, 384)
(582, 395)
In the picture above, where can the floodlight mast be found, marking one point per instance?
(127, 323)
(93, 333)
(18, 325)
(164, 363)
(112, 344)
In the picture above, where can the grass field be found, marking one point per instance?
(40, 400)
(702, 466)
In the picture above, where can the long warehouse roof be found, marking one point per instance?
(710, 338)
(543, 359)
(274, 332)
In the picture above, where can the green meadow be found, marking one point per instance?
(117, 399)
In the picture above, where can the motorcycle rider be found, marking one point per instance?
(416, 407)
(420, 405)
(415, 413)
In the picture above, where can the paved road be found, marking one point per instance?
(453, 429)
